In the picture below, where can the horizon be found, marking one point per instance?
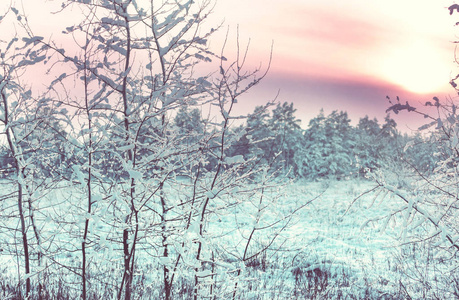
(348, 56)
(329, 55)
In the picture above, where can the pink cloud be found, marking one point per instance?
(339, 28)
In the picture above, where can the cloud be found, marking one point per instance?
(324, 43)
(338, 28)
(358, 96)
(351, 43)
(348, 55)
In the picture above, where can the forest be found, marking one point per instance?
(127, 175)
(330, 147)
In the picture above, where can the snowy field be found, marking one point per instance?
(335, 247)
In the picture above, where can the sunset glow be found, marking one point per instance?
(391, 48)
(416, 68)
(369, 49)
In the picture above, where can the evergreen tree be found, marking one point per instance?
(287, 136)
(259, 136)
(6, 162)
(421, 153)
(329, 146)
(368, 145)
(189, 121)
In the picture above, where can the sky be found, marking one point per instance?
(348, 55)
(332, 54)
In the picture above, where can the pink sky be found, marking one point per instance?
(332, 54)
(348, 55)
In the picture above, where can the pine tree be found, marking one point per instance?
(329, 147)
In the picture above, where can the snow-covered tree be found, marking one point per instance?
(143, 176)
(273, 137)
(259, 138)
(329, 147)
(368, 146)
(287, 136)
(189, 120)
(25, 122)
(427, 212)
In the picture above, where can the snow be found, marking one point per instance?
(118, 22)
(135, 174)
(119, 49)
(34, 40)
(326, 235)
(238, 159)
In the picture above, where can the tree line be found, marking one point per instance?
(330, 146)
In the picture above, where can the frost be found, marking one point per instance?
(27, 276)
(119, 49)
(74, 142)
(203, 82)
(439, 123)
(408, 145)
(37, 59)
(111, 21)
(11, 43)
(165, 260)
(127, 147)
(426, 126)
(70, 29)
(107, 80)
(115, 195)
(163, 51)
(238, 159)
(135, 174)
(35, 40)
(62, 76)
(225, 265)
(202, 57)
(125, 73)
(103, 241)
(455, 141)
(204, 273)
(194, 228)
(79, 175)
(212, 194)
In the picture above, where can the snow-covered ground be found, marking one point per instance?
(332, 248)
(343, 233)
